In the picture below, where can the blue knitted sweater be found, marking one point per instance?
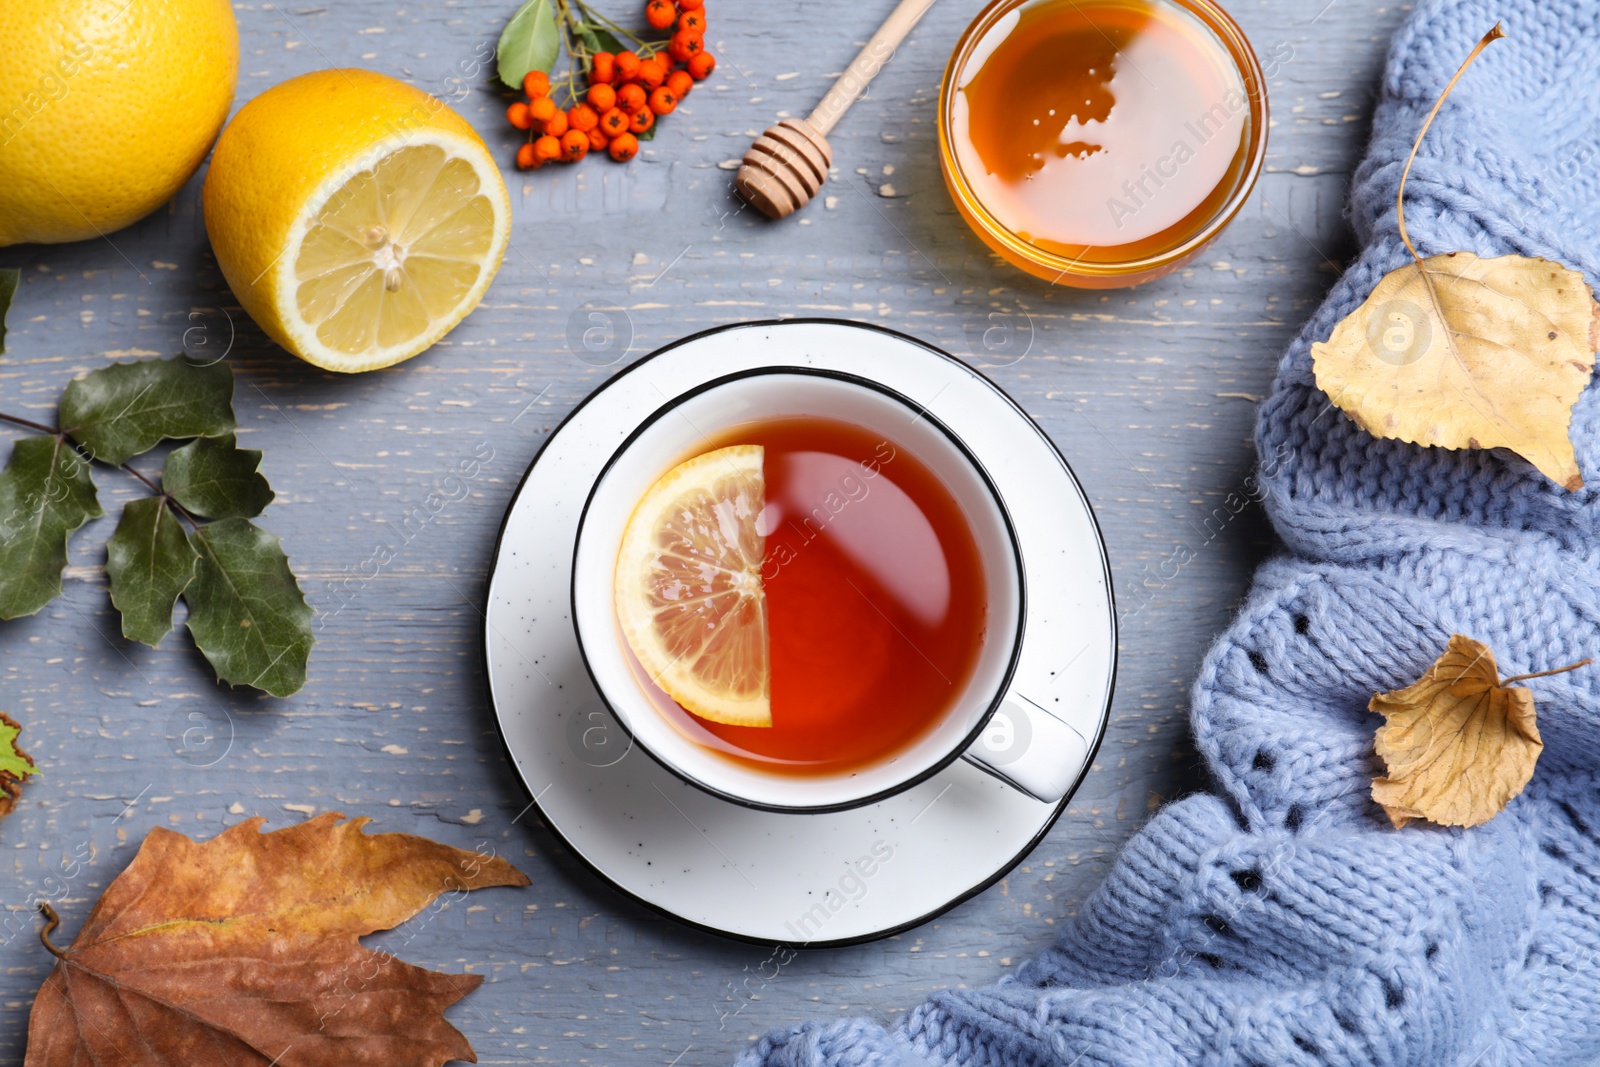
(1281, 920)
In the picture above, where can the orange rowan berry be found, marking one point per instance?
(686, 44)
(583, 118)
(541, 109)
(536, 84)
(641, 121)
(663, 101)
(623, 147)
(598, 140)
(547, 148)
(627, 66)
(660, 14)
(691, 5)
(602, 68)
(631, 97)
(526, 160)
(517, 115)
(694, 21)
(613, 122)
(652, 72)
(574, 145)
(680, 82)
(557, 125)
(602, 98)
(701, 66)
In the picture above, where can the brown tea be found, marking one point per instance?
(875, 598)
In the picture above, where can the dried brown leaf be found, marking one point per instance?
(243, 951)
(1459, 743)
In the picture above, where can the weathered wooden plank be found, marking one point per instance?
(1148, 392)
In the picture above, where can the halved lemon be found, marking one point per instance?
(356, 218)
(688, 586)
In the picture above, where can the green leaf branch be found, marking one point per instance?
(247, 613)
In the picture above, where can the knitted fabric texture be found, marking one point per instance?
(1281, 920)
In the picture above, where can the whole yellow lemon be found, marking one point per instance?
(106, 108)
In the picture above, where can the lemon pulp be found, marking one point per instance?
(396, 249)
(688, 586)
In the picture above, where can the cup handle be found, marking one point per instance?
(1029, 749)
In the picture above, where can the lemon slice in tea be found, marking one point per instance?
(357, 219)
(688, 587)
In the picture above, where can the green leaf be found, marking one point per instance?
(13, 761)
(597, 39)
(14, 764)
(149, 561)
(213, 477)
(46, 492)
(246, 610)
(8, 289)
(126, 408)
(530, 42)
(609, 41)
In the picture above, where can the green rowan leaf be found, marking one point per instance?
(246, 611)
(15, 764)
(213, 477)
(124, 409)
(8, 289)
(529, 42)
(46, 492)
(149, 562)
(597, 38)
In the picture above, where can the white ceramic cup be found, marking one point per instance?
(999, 732)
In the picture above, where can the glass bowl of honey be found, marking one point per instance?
(1101, 143)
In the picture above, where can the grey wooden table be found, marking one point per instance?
(1150, 393)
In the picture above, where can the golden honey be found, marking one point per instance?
(1101, 142)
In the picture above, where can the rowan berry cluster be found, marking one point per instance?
(627, 91)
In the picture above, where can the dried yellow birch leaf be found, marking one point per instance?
(1459, 743)
(1455, 351)
(1462, 352)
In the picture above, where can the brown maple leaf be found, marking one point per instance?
(243, 950)
(1458, 743)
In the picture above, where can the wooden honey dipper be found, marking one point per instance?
(786, 166)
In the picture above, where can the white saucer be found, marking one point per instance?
(812, 879)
